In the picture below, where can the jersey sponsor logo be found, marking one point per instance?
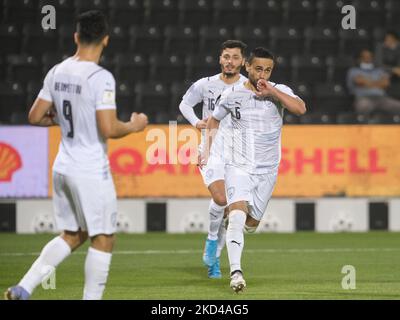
(10, 162)
(108, 97)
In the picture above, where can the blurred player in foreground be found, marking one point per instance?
(79, 95)
(206, 91)
(256, 109)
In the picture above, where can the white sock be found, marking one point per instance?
(97, 265)
(216, 214)
(53, 253)
(221, 238)
(235, 238)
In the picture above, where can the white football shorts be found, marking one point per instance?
(256, 189)
(86, 203)
(213, 171)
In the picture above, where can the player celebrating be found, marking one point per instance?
(256, 109)
(82, 94)
(207, 90)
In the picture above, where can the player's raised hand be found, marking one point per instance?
(139, 121)
(264, 88)
(201, 124)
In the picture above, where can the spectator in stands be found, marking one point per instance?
(388, 55)
(368, 83)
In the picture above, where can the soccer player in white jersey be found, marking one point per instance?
(82, 96)
(256, 109)
(206, 91)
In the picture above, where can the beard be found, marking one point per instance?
(231, 73)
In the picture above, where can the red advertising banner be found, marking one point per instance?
(316, 161)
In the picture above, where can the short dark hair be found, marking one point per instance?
(92, 26)
(260, 52)
(234, 44)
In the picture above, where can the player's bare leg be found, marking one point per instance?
(97, 265)
(214, 245)
(238, 213)
(53, 253)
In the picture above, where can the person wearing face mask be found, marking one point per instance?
(368, 84)
(388, 55)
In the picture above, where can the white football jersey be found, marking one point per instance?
(77, 89)
(254, 141)
(208, 90)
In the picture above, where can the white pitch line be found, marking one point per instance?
(158, 252)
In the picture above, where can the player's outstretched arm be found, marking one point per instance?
(294, 105)
(112, 128)
(42, 113)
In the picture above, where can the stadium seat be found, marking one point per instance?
(331, 98)
(195, 12)
(20, 12)
(370, 13)
(152, 98)
(131, 68)
(394, 90)
(203, 65)
(392, 13)
(178, 89)
(66, 39)
(2, 68)
(286, 41)
(321, 41)
(211, 38)
(107, 61)
(32, 90)
(304, 91)
(290, 118)
(378, 34)
(317, 118)
(352, 41)
(329, 13)
(126, 12)
(351, 118)
(338, 66)
(19, 118)
(180, 39)
(167, 68)
(253, 36)
(125, 99)
(12, 99)
(309, 69)
(300, 13)
(82, 6)
(265, 13)
(65, 11)
(382, 118)
(119, 41)
(282, 70)
(50, 59)
(146, 39)
(23, 68)
(229, 12)
(161, 12)
(36, 40)
(10, 39)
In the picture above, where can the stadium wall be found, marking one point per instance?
(191, 215)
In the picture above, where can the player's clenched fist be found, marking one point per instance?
(139, 121)
(264, 88)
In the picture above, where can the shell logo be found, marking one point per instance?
(10, 161)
